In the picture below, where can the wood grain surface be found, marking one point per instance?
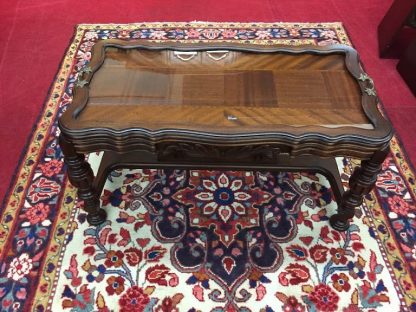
(227, 91)
(141, 95)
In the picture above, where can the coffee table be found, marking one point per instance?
(233, 106)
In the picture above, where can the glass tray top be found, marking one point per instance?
(222, 90)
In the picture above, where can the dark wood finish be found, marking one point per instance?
(157, 89)
(361, 183)
(233, 106)
(407, 66)
(395, 31)
(81, 176)
(81, 116)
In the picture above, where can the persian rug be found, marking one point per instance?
(201, 240)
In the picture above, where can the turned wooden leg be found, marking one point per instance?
(81, 176)
(361, 183)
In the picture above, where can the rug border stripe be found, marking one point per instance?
(7, 206)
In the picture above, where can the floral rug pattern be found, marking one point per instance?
(201, 240)
(319, 269)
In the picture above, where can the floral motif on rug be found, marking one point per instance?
(189, 258)
(202, 240)
(224, 223)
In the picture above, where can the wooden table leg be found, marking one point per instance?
(81, 176)
(361, 183)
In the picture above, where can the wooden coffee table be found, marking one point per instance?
(224, 106)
